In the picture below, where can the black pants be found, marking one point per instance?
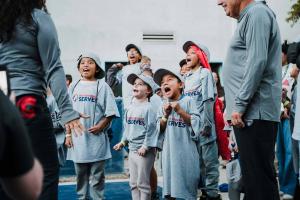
(38, 121)
(256, 145)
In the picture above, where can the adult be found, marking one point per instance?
(29, 48)
(252, 83)
(20, 173)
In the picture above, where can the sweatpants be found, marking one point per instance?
(140, 169)
(93, 172)
(209, 167)
(256, 149)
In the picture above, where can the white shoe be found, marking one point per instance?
(281, 193)
(287, 197)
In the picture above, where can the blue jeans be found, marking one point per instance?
(287, 176)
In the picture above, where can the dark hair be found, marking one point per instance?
(16, 11)
(69, 77)
(98, 69)
(284, 47)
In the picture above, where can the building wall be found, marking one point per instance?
(105, 27)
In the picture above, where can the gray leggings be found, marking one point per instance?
(139, 169)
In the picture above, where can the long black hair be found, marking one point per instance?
(14, 11)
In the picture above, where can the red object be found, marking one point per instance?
(26, 105)
(202, 57)
(222, 139)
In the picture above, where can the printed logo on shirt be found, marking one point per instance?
(192, 93)
(176, 122)
(84, 98)
(136, 121)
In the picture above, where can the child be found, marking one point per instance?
(178, 125)
(233, 170)
(57, 127)
(140, 134)
(184, 69)
(91, 96)
(200, 86)
(118, 73)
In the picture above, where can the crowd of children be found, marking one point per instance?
(169, 112)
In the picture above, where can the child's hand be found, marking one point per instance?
(95, 129)
(167, 109)
(118, 146)
(142, 151)
(206, 132)
(175, 106)
(119, 66)
(69, 142)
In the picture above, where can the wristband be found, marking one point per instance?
(68, 135)
(164, 119)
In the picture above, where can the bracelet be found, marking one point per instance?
(68, 135)
(164, 119)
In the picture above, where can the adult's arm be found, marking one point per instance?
(49, 52)
(112, 76)
(257, 35)
(27, 186)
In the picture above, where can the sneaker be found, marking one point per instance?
(287, 197)
(206, 197)
(281, 193)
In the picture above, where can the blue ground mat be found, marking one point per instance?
(113, 191)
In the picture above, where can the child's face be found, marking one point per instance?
(192, 59)
(133, 56)
(88, 68)
(184, 69)
(140, 89)
(171, 87)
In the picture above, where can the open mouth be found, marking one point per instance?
(135, 90)
(85, 70)
(167, 89)
(188, 60)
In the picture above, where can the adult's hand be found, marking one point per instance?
(236, 120)
(75, 126)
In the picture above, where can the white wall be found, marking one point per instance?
(105, 27)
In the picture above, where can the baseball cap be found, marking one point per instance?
(147, 79)
(182, 62)
(130, 46)
(187, 45)
(160, 73)
(97, 61)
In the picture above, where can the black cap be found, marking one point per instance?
(182, 62)
(130, 46)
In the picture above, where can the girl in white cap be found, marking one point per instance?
(92, 96)
(140, 134)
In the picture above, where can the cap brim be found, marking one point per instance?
(131, 78)
(130, 46)
(187, 45)
(159, 74)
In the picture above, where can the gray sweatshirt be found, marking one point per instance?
(252, 69)
(33, 60)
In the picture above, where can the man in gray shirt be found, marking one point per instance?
(252, 83)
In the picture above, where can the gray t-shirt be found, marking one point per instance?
(140, 126)
(86, 99)
(33, 60)
(252, 68)
(180, 158)
(200, 86)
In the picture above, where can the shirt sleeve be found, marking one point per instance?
(49, 52)
(257, 36)
(209, 91)
(16, 153)
(160, 135)
(151, 133)
(113, 76)
(107, 101)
